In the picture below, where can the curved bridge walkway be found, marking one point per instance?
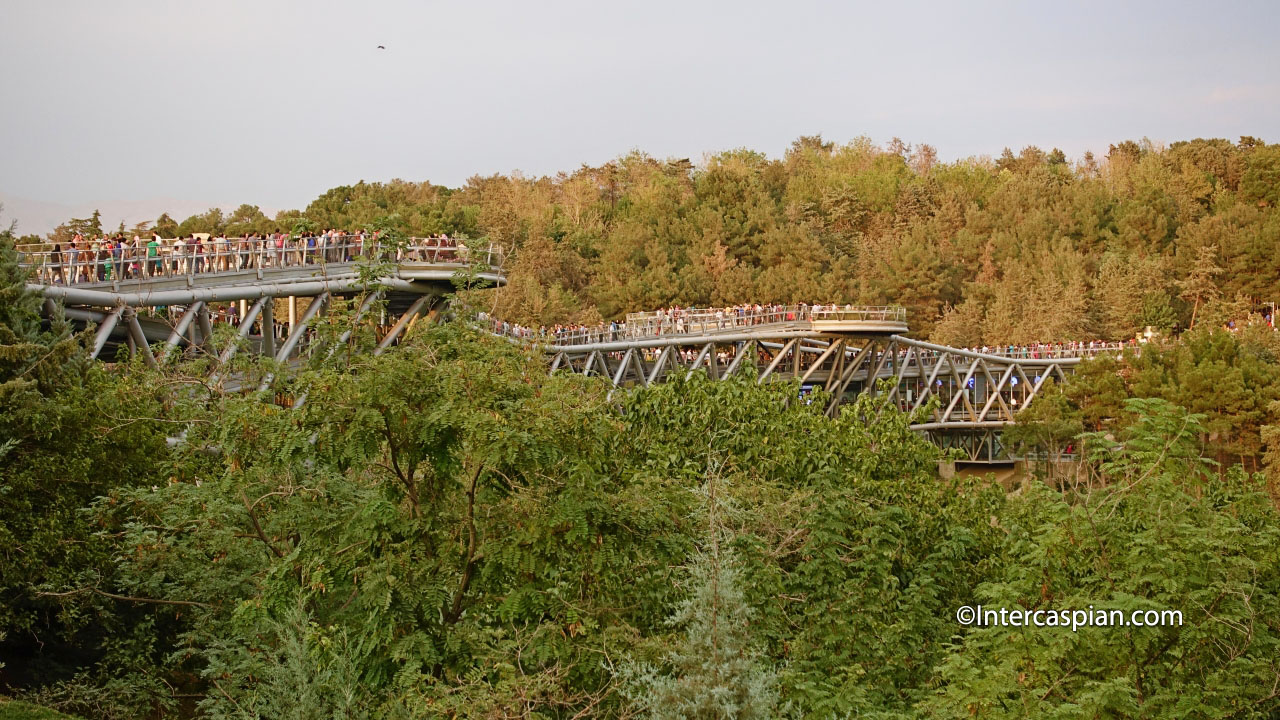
(844, 350)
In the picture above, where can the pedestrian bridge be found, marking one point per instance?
(176, 296)
(844, 350)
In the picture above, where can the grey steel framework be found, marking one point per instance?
(182, 300)
(977, 393)
(844, 350)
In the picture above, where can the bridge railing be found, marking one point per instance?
(1044, 351)
(693, 321)
(166, 260)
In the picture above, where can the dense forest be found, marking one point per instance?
(1024, 248)
(445, 530)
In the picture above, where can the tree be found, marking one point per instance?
(69, 433)
(166, 226)
(715, 671)
(1261, 181)
(1046, 429)
(1161, 533)
(1200, 284)
(88, 227)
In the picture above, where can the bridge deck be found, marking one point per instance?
(845, 350)
(231, 271)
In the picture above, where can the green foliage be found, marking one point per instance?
(18, 710)
(714, 672)
(1261, 181)
(1163, 533)
(443, 530)
(1231, 379)
(69, 433)
(1050, 425)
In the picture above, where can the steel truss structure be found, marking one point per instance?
(977, 394)
(176, 312)
(846, 352)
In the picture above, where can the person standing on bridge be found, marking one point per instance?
(278, 240)
(55, 265)
(99, 256)
(73, 250)
(139, 257)
(152, 267)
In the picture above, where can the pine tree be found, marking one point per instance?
(715, 673)
(1201, 283)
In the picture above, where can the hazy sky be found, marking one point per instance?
(138, 106)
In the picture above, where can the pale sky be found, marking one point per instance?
(137, 106)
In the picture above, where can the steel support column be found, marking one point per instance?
(139, 338)
(268, 325)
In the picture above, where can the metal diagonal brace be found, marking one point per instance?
(104, 331)
(658, 364)
(637, 364)
(993, 393)
(402, 323)
(299, 329)
(180, 329)
(622, 368)
(139, 337)
(831, 348)
(789, 346)
(246, 325)
(743, 348)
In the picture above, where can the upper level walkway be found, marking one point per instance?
(175, 272)
(689, 325)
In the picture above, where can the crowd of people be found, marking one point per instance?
(1037, 351)
(116, 257)
(681, 321)
(698, 321)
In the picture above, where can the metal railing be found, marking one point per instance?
(704, 320)
(169, 258)
(691, 322)
(1049, 351)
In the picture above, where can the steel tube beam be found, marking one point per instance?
(658, 364)
(299, 329)
(743, 348)
(402, 323)
(139, 338)
(268, 325)
(102, 298)
(286, 349)
(821, 359)
(180, 329)
(665, 340)
(790, 345)
(206, 329)
(104, 331)
(622, 368)
(999, 359)
(246, 325)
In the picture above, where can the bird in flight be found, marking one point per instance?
(382, 47)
